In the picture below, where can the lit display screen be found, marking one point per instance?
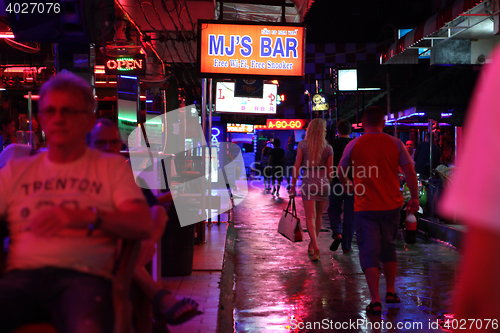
(347, 79)
(226, 102)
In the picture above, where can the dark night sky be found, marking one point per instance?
(342, 21)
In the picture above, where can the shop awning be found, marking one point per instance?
(464, 19)
(262, 11)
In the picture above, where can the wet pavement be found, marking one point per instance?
(279, 289)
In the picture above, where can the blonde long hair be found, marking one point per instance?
(316, 142)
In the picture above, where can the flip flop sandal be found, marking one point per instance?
(370, 309)
(392, 298)
(169, 316)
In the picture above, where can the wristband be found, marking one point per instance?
(96, 224)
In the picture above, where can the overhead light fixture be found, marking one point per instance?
(99, 69)
(119, 49)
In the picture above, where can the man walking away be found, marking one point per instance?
(375, 158)
(266, 168)
(338, 196)
(277, 162)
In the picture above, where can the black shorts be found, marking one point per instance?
(278, 172)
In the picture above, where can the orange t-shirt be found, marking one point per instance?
(374, 159)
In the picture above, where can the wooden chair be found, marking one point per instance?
(122, 279)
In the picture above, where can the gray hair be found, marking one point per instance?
(69, 82)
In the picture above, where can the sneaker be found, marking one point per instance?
(347, 251)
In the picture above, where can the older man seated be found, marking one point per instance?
(65, 209)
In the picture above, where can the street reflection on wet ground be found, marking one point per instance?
(279, 289)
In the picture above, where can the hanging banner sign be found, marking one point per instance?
(282, 124)
(226, 102)
(250, 50)
(128, 65)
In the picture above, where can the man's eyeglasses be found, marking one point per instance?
(65, 112)
(110, 143)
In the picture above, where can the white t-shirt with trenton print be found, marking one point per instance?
(29, 185)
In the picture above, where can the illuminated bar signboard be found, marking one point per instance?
(240, 128)
(250, 50)
(282, 124)
(226, 102)
(128, 65)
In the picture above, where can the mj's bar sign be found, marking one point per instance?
(250, 50)
(128, 65)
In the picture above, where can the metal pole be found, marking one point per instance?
(396, 127)
(337, 108)
(431, 139)
(210, 153)
(30, 118)
(203, 152)
(357, 104)
(138, 92)
(388, 95)
(456, 146)
(140, 124)
(164, 104)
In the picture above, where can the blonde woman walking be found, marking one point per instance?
(315, 157)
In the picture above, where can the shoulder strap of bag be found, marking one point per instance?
(288, 207)
(294, 208)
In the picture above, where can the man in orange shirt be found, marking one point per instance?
(375, 158)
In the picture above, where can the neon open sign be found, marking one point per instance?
(282, 124)
(135, 65)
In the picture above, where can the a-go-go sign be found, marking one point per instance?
(250, 50)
